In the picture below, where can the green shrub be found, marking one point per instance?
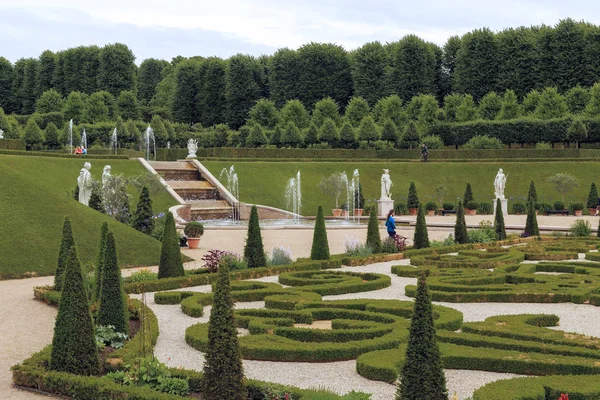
(100, 262)
(141, 276)
(170, 264)
(432, 142)
(518, 208)
(559, 205)
(592, 201)
(581, 228)
(413, 198)
(279, 256)
(485, 208)
(421, 238)
(531, 225)
(193, 229)
(12, 144)
(373, 236)
(499, 226)
(544, 207)
(66, 242)
(472, 205)
(543, 146)
(254, 252)
(484, 142)
(532, 193)
(96, 200)
(448, 206)
(431, 206)
(320, 244)
(468, 196)
(108, 336)
(142, 218)
(575, 207)
(399, 209)
(460, 227)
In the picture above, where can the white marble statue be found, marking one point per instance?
(1, 134)
(386, 185)
(499, 184)
(84, 181)
(106, 174)
(192, 146)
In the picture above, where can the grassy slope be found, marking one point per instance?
(264, 182)
(34, 202)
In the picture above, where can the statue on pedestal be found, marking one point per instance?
(84, 181)
(499, 184)
(386, 185)
(192, 146)
(106, 174)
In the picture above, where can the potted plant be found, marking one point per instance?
(592, 202)
(559, 206)
(194, 231)
(359, 201)
(448, 206)
(518, 208)
(472, 207)
(400, 209)
(333, 186)
(577, 209)
(431, 207)
(344, 208)
(413, 199)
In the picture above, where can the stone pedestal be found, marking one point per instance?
(503, 204)
(384, 207)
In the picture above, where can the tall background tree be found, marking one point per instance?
(369, 71)
(476, 69)
(413, 67)
(149, 76)
(117, 70)
(242, 88)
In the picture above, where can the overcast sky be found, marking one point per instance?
(164, 29)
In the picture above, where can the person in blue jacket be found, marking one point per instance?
(390, 224)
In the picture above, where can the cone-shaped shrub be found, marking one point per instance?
(100, 262)
(422, 375)
(373, 237)
(531, 225)
(66, 242)
(468, 196)
(413, 198)
(592, 201)
(421, 239)
(254, 252)
(532, 193)
(499, 221)
(170, 257)
(223, 371)
(142, 219)
(460, 228)
(320, 244)
(74, 343)
(113, 306)
(96, 201)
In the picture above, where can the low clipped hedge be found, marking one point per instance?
(12, 144)
(469, 259)
(540, 388)
(61, 155)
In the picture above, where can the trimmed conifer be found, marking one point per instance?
(413, 198)
(113, 306)
(320, 244)
(66, 242)
(74, 344)
(142, 219)
(96, 200)
(100, 262)
(531, 225)
(532, 193)
(468, 196)
(422, 375)
(170, 256)
(373, 236)
(254, 252)
(223, 371)
(421, 238)
(499, 221)
(592, 201)
(460, 228)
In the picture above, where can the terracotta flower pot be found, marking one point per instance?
(358, 212)
(578, 213)
(193, 243)
(336, 212)
(430, 213)
(344, 213)
(413, 211)
(472, 212)
(592, 211)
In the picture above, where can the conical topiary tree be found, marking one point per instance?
(468, 196)
(460, 228)
(223, 371)
(170, 256)
(142, 219)
(113, 306)
(532, 193)
(254, 252)
(421, 239)
(531, 225)
(320, 244)
(100, 262)
(96, 200)
(66, 242)
(499, 221)
(422, 375)
(592, 201)
(413, 198)
(74, 344)
(373, 236)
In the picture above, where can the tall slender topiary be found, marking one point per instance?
(531, 225)
(468, 196)
(413, 198)
(421, 238)
(74, 344)
(373, 237)
(223, 371)
(254, 252)
(460, 228)
(532, 193)
(170, 256)
(320, 244)
(592, 201)
(142, 219)
(96, 201)
(422, 375)
(113, 306)
(499, 221)
(66, 242)
(100, 262)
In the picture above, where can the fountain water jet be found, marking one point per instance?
(71, 136)
(84, 140)
(113, 141)
(233, 187)
(149, 136)
(293, 196)
(354, 188)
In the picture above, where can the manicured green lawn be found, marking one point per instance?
(34, 201)
(264, 182)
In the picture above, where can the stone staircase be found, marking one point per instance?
(194, 189)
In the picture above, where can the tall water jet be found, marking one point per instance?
(71, 136)
(113, 141)
(293, 195)
(84, 140)
(344, 179)
(233, 186)
(149, 136)
(355, 188)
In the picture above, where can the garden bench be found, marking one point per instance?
(444, 212)
(557, 212)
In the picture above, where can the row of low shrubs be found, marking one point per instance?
(12, 144)
(61, 155)
(546, 387)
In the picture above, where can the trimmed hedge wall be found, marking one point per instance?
(547, 387)
(12, 144)
(62, 155)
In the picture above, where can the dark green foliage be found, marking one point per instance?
(74, 345)
(312, 135)
(476, 70)
(95, 109)
(149, 76)
(532, 193)
(49, 101)
(6, 79)
(283, 76)
(100, 262)
(223, 371)
(51, 136)
(373, 236)
(421, 238)
(411, 136)
(117, 70)
(348, 136)
(368, 130)
(66, 242)
(242, 88)
(329, 133)
(113, 306)
(359, 197)
(577, 131)
(499, 221)
(517, 55)
(356, 110)
(264, 113)
(325, 108)
(170, 256)
(320, 244)
(291, 135)
(295, 112)
(531, 225)
(257, 137)
(33, 135)
(551, 104)
(413, 198)
(96, 200)
(389, 132)
(210, 100)
(422, 375)
(460, 228)
(413, 67)
(184, 92)
(74, 107)
(577, 99)
(490, 106)
(510, 109)
(275, 138)
(142, 219)
(369, 64)
(467, 111)
(468, 196)
(128, 106)
(254, 252)
(592, 201)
